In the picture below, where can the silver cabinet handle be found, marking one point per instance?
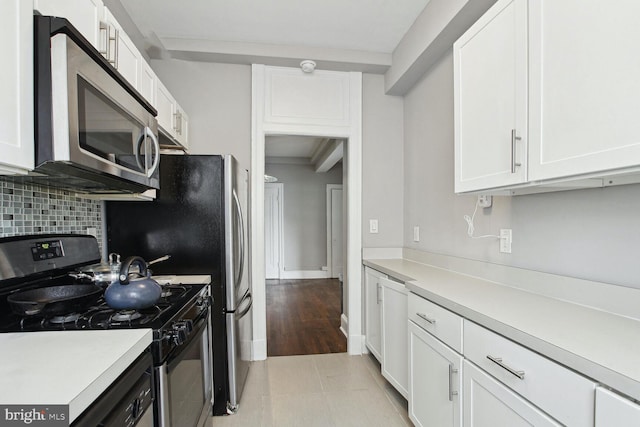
(117, 49)
(112, 58)
(514, 138)
(105, 41)
(452, 392)
(498, 361)
(428, 319)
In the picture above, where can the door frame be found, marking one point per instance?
(331, 187)
(352, 132)
(280, 191)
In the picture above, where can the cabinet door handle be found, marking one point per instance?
(452, 392)
(514, 138)
(378, 292)
(115, 60)
(498, 361)
(428, 319)
(104, 28)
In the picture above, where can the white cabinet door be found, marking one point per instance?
(490, 84)
(147, 83)
(435, 381)
(122, 53)
(394, 334)
(488, 403)
(84, 15)
(372, 310)
(615, 410)
(182, 127)
(166, 106)
(16, 87)
(584, 87)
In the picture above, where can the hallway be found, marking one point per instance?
(303, 317)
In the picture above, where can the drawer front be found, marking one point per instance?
(562, 393)
(439, 322)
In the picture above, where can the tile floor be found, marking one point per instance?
(320, 390)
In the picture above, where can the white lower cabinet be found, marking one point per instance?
(394, 334)
(489, 403)
(614, 410)
(435, 381)
(372, 309)
(558, 391)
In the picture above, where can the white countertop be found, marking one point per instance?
(65, 367)
(600, 345)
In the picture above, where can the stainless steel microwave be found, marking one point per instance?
(94, 132)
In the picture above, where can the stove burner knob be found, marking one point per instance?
(188, 325)
(180, 332)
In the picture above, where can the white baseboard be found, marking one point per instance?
(304, 274)
(259, 350)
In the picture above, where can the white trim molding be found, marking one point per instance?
(276, 110)
(303, 274)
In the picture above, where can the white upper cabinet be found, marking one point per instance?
(122, 53)
(585, 90)
(147, 83)
(490, 69)
(16, 87)
(84, 15)
(171, 117)
(546, 92)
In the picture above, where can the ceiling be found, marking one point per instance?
(355, 33)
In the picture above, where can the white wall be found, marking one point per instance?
(217, 98)
(382, 163)
(305, 213)
(590, 234)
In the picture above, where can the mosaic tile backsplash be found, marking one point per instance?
(33, 209)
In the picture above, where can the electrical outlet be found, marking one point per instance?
(92, 231)
(505, 240)
(485, 201)
(373, 226)
(416, 233)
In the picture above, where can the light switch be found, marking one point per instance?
(416, 233)
(373, 226)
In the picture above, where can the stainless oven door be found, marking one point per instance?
(184, 395)
(97, 124)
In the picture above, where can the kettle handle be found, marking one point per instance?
(124, 269)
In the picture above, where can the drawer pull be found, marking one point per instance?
(424, 317)
(498, 361)
(452, 392)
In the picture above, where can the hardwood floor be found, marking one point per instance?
(303, 317)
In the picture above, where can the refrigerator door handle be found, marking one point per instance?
(241, 313)
(241, 237)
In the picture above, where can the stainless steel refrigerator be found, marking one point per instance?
(199, 218)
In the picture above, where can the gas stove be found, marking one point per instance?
(42, 261)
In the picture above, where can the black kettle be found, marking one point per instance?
(133, 294)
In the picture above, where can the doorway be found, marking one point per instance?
(303, 245)
(332, 104)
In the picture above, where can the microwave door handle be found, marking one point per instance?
(156, 148)
(141, 139)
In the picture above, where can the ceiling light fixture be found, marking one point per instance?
(308, 66)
